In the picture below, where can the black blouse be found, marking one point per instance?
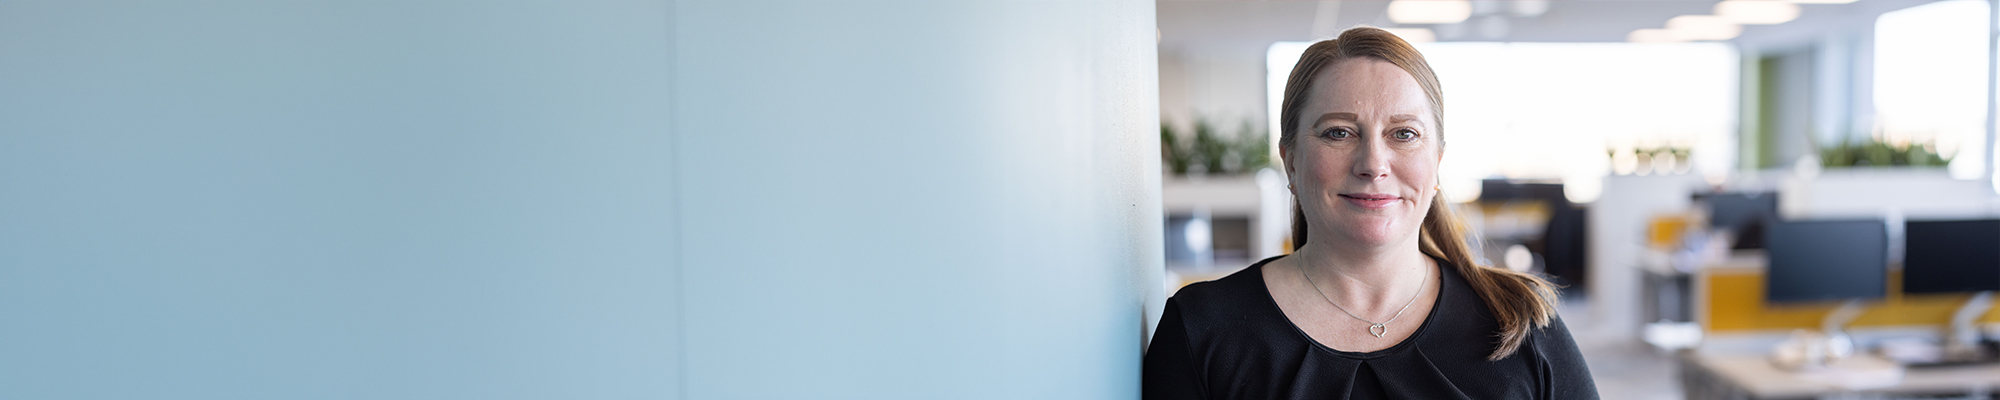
(1227, 339)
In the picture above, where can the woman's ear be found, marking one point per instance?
(1285, 156)
(1440, 159)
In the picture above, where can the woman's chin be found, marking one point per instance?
(1372, 232)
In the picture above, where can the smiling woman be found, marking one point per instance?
(1385, 300)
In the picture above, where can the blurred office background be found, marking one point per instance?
(1743, 198)
(913, 199)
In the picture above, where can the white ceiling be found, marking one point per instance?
(1191, 25)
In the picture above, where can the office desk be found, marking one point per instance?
(1750, 376)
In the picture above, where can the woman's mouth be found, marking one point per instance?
(1366, 200)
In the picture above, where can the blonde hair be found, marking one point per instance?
(1520, 302)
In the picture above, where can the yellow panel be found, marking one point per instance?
(1735, 302)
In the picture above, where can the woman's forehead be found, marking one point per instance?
(1367, 87)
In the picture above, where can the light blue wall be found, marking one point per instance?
(579, 199)
(935, 200)
(336, 200)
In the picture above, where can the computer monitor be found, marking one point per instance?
(1743, 215)
(1502, 189)
(1951, 256)
(1826, 260)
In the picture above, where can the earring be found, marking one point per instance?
(1438, 188)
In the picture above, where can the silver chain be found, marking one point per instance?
(1372, 325)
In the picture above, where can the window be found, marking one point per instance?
(1931, 80)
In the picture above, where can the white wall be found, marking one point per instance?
(1221, 83)
(598, 199)
(1864, 193)
(1212, 54)
(1617, 223)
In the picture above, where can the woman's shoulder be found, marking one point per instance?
(1458, 295)
(1228, 296)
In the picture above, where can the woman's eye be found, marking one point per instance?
(1404, 134)
(1338, 133)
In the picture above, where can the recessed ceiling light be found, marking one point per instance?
(1653, 36)
(1429, 11)
(1821, 1)
(1757, 12)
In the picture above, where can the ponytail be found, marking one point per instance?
(1521, 302)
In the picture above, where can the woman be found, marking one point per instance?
(1381, 297)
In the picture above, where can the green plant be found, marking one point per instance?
(1643, 159)
(1172, 152)
(1254, 146)
(1876, 153)
(1208, 148)
(1211, 151)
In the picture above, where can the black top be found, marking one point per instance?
(1227, 339)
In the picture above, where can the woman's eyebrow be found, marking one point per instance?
(1337, 116)
(1348, 116)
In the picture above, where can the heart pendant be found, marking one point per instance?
(1378, 330)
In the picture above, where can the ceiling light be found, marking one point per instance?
(1414, 35)
(1653, 36)
(1822, 1)
(1429, 11)
(1703, 27)
(1757, 12)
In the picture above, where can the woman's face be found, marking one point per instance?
(1364, 164)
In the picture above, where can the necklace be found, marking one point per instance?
(1374, 328)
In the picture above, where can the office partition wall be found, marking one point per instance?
(917, 199)
(594, 199)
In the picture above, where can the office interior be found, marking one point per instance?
(1742, 199)
(694, 199)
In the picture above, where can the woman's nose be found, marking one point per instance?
(1371, 161)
